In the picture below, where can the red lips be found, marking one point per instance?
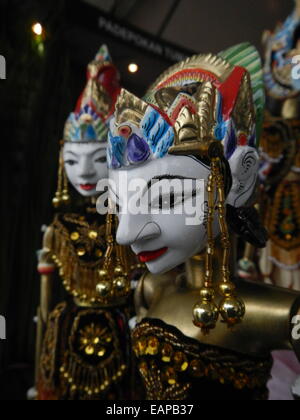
(145, 257)
(88, 187)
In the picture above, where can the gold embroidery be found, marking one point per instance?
(87, 362)
(168, 365)
(93, 361)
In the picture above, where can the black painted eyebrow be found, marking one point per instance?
(162, 177)
(158, 178)
(102, 149)
(71, 153)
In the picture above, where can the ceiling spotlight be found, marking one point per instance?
(37, 29)
(133, 68)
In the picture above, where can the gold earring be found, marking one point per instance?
(62, 195)
(65, 193)
(114, 280)
(206, 312)
(121, 283)
(104, 288)
(57, 200)
(231, 308)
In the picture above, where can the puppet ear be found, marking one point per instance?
(244, 165)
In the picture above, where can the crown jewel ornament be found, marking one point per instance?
(206, 106)
(89, 121)
(203, 99)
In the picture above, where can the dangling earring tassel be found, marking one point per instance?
(114, 280)
(121, 283)
(104, 287)
(65, 194)
(231, 308)
(206, 312)
(57, 200)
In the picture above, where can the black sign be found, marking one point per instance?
(141, 40)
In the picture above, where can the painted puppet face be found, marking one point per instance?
(85, 165)
(164, 241)
(153, 139)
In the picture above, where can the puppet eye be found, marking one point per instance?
(125, 131)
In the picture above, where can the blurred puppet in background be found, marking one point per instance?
(83, 345)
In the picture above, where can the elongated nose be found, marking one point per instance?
(86, 168)
(136, 228)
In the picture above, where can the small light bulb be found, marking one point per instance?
(37, 29)
(133, 68)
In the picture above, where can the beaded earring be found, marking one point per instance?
(114, 279)
(207, 311)
(62, 196)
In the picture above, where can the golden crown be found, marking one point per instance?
(129, 108)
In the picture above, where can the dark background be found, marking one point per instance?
(36, 98)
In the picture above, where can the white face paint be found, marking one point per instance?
(85, 165)
(166, 241)
(161, 241)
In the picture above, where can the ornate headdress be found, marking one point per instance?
(203, 99)
(206, 106)
(89, 121)
(281, 46)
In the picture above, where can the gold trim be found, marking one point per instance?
(208, 62)
(195, 132)
(129, 108)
